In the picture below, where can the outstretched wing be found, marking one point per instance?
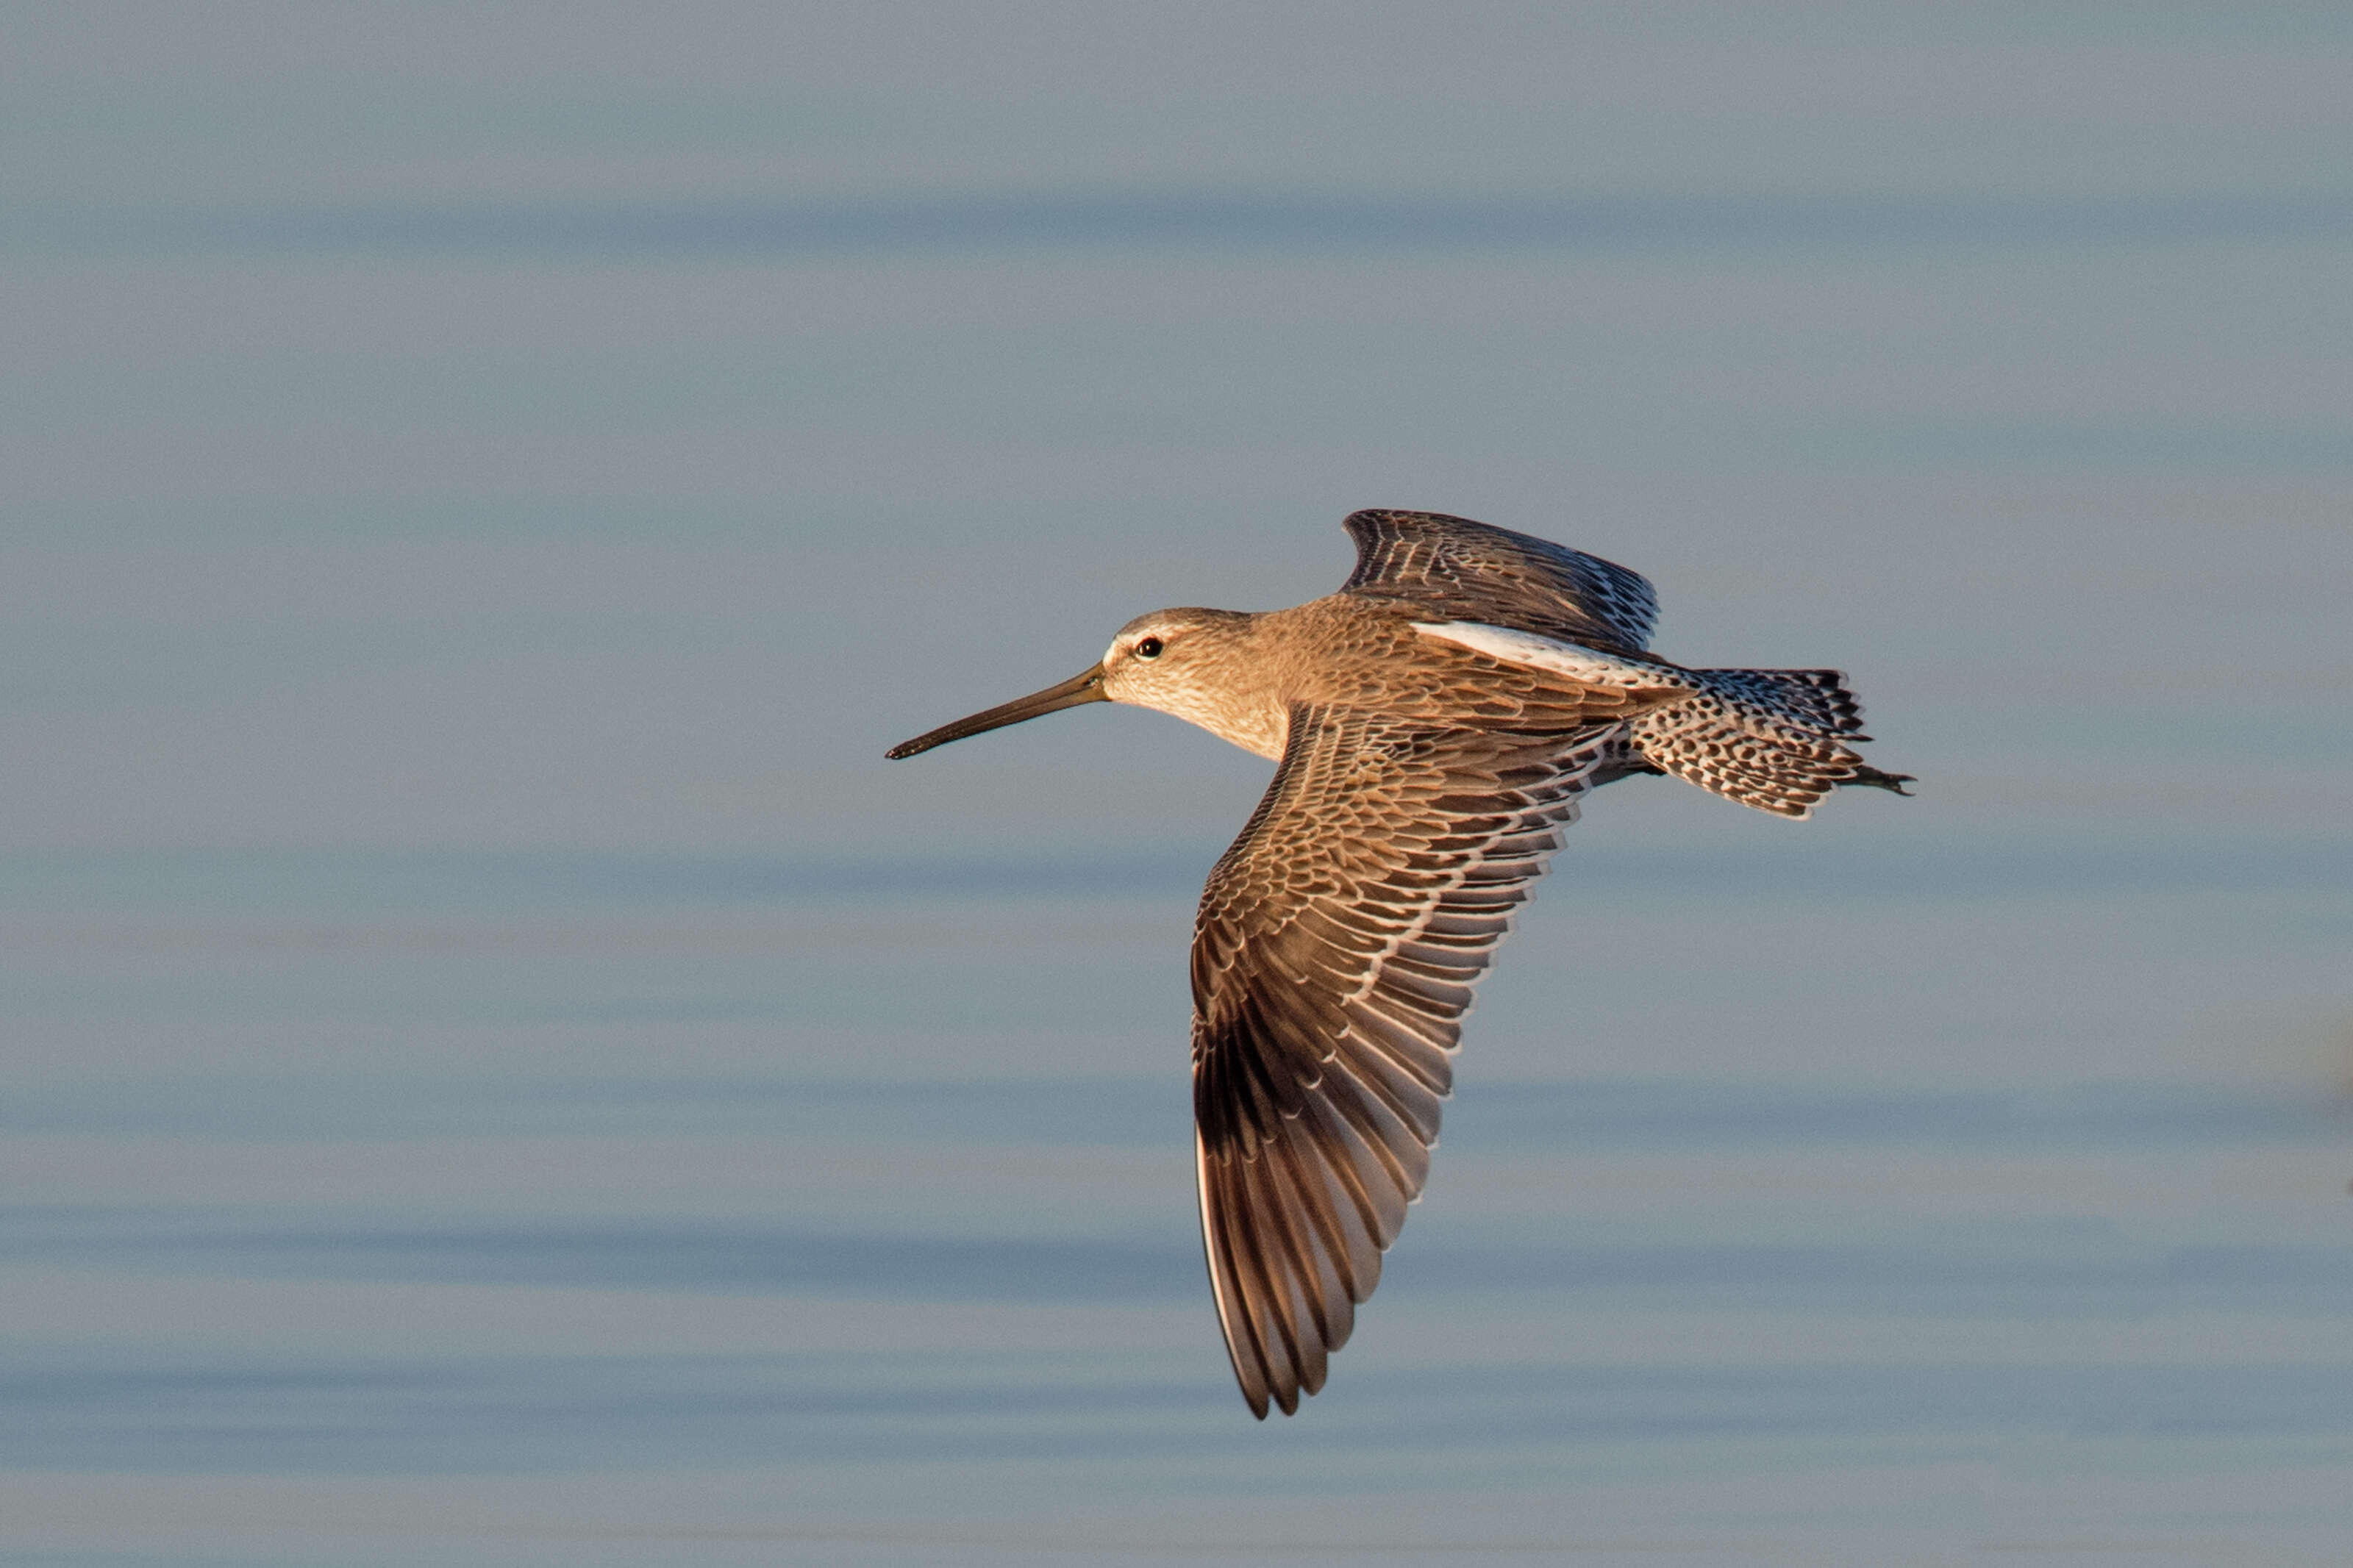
(1333, 961)
(1468, 570)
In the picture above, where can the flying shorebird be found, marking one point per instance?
(1435, 723)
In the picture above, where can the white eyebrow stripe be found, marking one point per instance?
(1587, 667)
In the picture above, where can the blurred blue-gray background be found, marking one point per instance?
(498, 1070)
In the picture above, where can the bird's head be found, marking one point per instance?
(1166, 659)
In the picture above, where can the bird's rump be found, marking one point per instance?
(1772, 738)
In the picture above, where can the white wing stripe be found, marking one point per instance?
(1587, 667)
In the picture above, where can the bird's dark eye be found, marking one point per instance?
(1148, 648)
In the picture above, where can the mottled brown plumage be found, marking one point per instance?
(1435, 723)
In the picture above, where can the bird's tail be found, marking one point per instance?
(1774, 739)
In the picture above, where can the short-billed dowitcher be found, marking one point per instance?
(1435, 723)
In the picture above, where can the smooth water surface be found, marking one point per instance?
(776, 1223)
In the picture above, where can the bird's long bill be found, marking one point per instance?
(1086, 687)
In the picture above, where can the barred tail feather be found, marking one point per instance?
(1773, 739)
(1816, 699)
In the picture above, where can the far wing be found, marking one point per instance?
(1469, 571)
(1333, 961)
